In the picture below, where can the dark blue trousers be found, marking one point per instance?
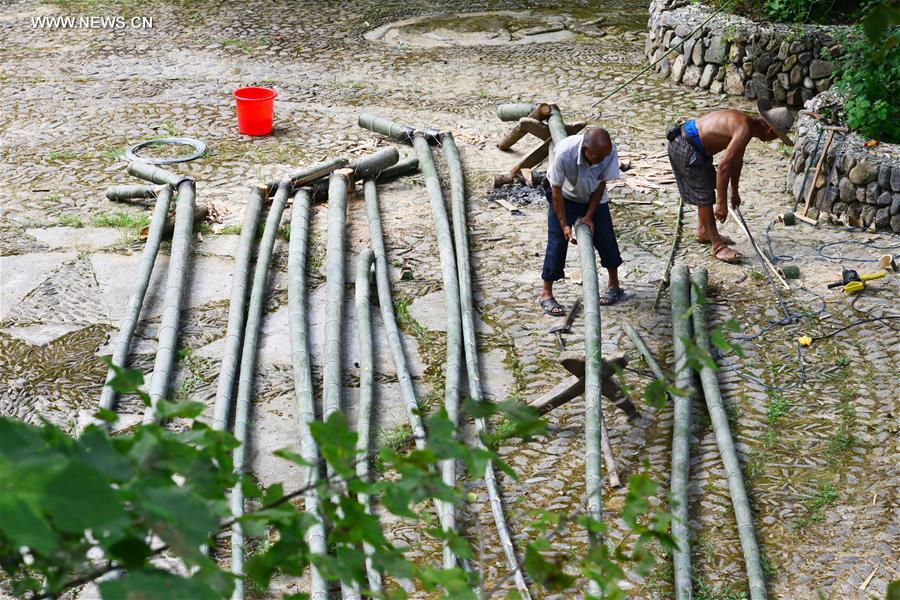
(604, 237)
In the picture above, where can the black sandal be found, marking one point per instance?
(611, 296)
(552, 307)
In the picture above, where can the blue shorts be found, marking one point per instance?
(557, 246)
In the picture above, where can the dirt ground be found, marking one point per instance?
(816, 427)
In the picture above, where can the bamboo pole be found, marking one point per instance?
(373, 164)
(245, 382)
(557, 125)
(470, 345)
(681, 433)
(317, 171)
(401, 133)
(303, 382)
(641, 345)
(540, 113)
(154, 174)
(366, 385)
(138, 291)
(376, 236)
(676, 237)
(739, 501)
(407, 166)
(236, 308)
(513, 111)
(332, 368)
(592, 386)
(119, 193)
(454, 322)
(176, 275)
(388, 318)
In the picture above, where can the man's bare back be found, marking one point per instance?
(717, 129)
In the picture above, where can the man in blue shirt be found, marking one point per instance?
(576, 191)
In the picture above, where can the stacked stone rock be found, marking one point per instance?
(866, 182)
(735, 56)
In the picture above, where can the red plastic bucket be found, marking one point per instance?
(254, 110)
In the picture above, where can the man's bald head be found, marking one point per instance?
(596, 145)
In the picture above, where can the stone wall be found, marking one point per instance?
(735, 56)
(863, 186)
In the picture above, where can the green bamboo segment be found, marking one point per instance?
(154, 174)
(236, 309)
(119, 193)
(317, 171)
(389, 320)
(513, 111)
(334, 293)
(303, 381)
(557, 125)
(248, 367)
(373, 164)
(592, 387)
(391, 331)
(470, 345)
(176, 275)
(366, 389)
(641, 345)
(454, 322)
(742, 513)
(393, 130)
(407, 166)
(681, 432)
(139, 290)
(386, 127)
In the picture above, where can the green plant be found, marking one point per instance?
(776, 407)
(231, 230)
(150, 492)
(65, 220)
(202, 227)
(868, 76)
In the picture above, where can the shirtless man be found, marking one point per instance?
(691, 148)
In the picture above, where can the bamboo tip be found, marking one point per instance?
(544, 109)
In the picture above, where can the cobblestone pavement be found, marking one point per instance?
(818, 437)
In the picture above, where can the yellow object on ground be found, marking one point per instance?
(805, 340)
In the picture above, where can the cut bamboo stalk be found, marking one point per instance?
(535, 128)
(470, 345)
(138, 291)
(676, 236)
(389, 320)
(592, 386)
(766, 262)
(373, 164)
(245, 381)
(556, 125)
(513, 111)
(454, 323)
(303, 383)
(176, 275)
(719, 418)
(332, 365)
(540, 112)
(401, 133)
(317, 171)
(154, 174)
(366, 388)
(236, 309)
(404, 167)
(681, 433)
(120, 193)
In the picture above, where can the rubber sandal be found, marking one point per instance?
(727, 255)
(611, 296)
(552, 307)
